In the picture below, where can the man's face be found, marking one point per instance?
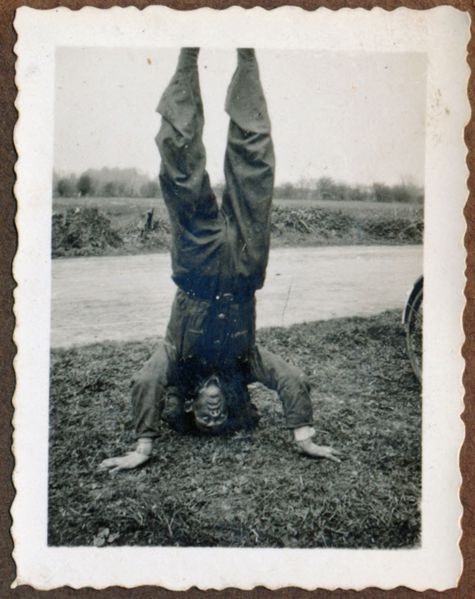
(209, 408)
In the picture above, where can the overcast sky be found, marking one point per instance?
(358, 118)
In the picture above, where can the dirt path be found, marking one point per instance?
(128, 298)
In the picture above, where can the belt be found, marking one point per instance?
(222, 298)
(226, 298)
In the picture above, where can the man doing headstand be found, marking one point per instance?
(199, 374)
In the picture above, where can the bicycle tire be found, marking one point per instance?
(414, 339)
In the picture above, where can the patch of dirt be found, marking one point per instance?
(83, 232)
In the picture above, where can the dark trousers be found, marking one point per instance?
(217, 250)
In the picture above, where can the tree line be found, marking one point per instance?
(327, 188)
(106, 182)
(115, 182)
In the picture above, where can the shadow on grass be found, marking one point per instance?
(248, 489)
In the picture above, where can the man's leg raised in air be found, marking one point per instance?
(149, 386)
(249, 169)
(195, 218)
(293, 389)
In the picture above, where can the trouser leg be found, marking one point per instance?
(291, 384)
(184, 180)
(249, 168)
(149, 387)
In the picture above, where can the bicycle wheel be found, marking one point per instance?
(414, 332)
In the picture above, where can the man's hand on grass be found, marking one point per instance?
(128, 461)
(318, 451)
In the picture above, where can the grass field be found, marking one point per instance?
(128, 211)
(245, 490)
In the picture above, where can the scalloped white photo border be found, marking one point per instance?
(442, 33)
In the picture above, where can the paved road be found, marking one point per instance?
(129, 297)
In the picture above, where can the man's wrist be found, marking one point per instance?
(144, 446)
(302, 433)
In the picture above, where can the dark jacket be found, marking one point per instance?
(211, 335)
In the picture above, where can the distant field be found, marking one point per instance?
(106, 226)
(363, 209)
(128, 211)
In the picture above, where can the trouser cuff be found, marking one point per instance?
(147, 435)
(245, 102)
(293, 425)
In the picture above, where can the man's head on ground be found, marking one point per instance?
(209, 407)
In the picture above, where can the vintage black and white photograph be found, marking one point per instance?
(237, 257)
(302, 430)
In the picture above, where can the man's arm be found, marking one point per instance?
(303, 439)
(133, 459)
(148, 394)
(293, 389)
